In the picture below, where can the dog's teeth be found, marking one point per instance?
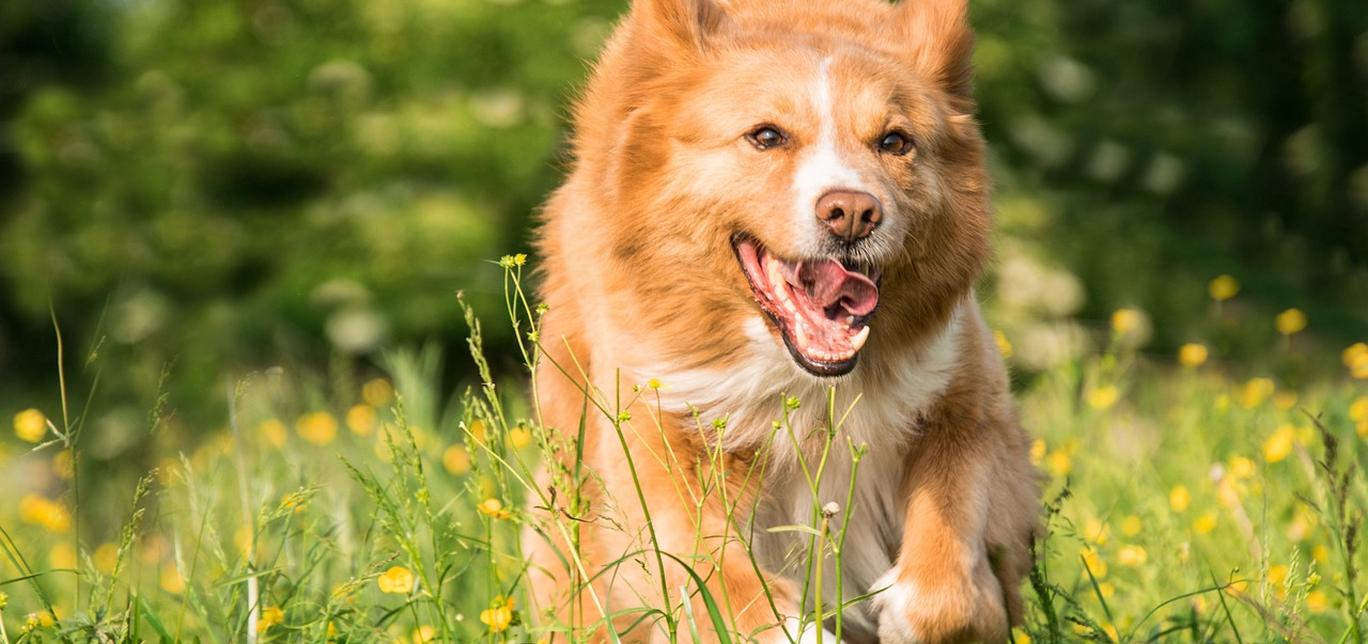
(776, 277)
(859, 339)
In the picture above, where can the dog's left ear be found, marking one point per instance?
(936, 38)
(682, 25)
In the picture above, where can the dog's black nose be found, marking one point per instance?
(848, 214)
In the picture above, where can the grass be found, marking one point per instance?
(1183, 505)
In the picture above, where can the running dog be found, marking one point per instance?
(769, 199)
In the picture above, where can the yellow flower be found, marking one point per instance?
(1255, 392)
(1223, 287)
(494, 508)
(319, 428)
(294, 501)
(519, 437)
(49, 514)
(1356, 359)
(1020, 637)
(1037, 451)
(273, 432)
(1096, 531)
(377, 393)
(1003, 344)
(1205, 523)
(477, 430)
(1059, 463)
(456, 460)
(1277, 574)
(1103, 397)
(499, 614)
(105, 557)
(1358, 410)
(1279, 444)
(30, 425)
(1240, 468)
(1110, 630)
(1317, 601)
(1290, 322)
(1320, 553)
(424, 634)
(361, 420)
(1107, 589)
(1095, 563)
(653, 383)
(1352, 353)
(1131, 556)
(1192, 355)
(270, 616)
(1179, 498)
(1359, 413)
(1125, 321)
(1131, 526)
(170, 580)
(398, 580)
(30, 623)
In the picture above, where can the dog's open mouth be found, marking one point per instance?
(821, 306)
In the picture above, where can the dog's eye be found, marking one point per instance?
(895, 143)
(766, 137)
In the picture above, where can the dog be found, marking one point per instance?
(765, 251)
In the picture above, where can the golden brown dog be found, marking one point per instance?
(771, 198)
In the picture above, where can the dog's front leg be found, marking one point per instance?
(686, 517)
(942, 587)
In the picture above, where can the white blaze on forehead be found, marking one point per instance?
(821, 167)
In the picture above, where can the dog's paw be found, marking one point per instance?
(960, 609)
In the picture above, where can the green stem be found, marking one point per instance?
(641, 498)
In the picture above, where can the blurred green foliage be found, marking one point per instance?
(215, 185)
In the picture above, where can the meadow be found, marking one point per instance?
(1182, 502)
(238, 402)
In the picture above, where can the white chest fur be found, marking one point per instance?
(877, 406)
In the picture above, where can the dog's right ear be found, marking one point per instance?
(936, 38)
(683, 26)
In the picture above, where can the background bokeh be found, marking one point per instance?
(208, 189)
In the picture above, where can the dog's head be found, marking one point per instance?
(813, 163)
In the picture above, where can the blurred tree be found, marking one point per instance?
(41, 44)
(302, 177)
(1151, 146)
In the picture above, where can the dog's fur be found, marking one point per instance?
(642, 282)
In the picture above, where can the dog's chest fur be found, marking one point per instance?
(891, 399)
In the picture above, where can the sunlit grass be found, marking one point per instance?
(1183, 503)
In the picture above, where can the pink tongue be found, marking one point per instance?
(832, 284)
